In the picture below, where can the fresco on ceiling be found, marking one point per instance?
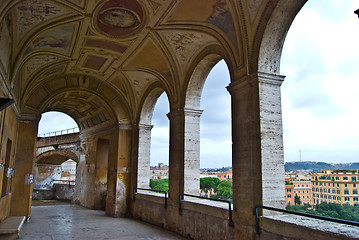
(119, 18)
(221, 17)
(185, 44)
(215, 12)
(140, 81)
(37, 62)
(33, 12)
(5, 43)
(112, 46)
(58, 39)
(52, 71)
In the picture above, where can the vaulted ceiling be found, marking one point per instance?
(98, 60)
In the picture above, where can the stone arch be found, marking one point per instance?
(270, 45)
(89, 101)
(56, 157)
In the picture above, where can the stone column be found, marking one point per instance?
(118, 179)
(176, 155)
(192, 151)
(257, 151)
(22, 185)
(144, 156)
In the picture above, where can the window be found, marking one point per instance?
(320, 184)
(338, 191)
(325, 184)
(338, 198)
(354, 185)
(336, 178)
(325, 190)
(289, 190)
(302, 185)
(332, 178)
(346, 199)
(354, 179)
(345, 185)
(355, 191)
(330, 197)
(328, 190)
(325, 196)
(337, 184)
(289, 196)
(345, 178)
(294, 191)
(346, 191)
(321, 190)
(355, 198)
(334, 197)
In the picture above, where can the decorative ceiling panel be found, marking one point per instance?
(33, 12)
(58, 39)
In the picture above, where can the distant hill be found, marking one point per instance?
(318, 166)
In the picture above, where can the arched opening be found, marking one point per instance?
(319, 103)
(153, 153)
(56, 157)
(207, 127)
(216, 142)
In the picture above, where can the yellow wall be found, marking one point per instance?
(8, 128)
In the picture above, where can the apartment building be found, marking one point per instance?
(336, 186)
(300, 187)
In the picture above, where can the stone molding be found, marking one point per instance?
(255, 78)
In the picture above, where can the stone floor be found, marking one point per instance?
(59, 221)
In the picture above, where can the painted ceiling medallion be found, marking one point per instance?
(119, 18)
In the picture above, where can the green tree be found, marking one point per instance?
(208, 183)
(297, 200)
(224, 190)
(159, 184)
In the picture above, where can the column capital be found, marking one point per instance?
(192, 112)
(255, 78)
(125, 126)
(147, 127)
(185, 112)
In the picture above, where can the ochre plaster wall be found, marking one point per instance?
(8, 131)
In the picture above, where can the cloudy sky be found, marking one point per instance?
(319, 95)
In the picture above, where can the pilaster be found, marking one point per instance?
(144, 155)
(192, 157)
(22, 184)
(118, 178)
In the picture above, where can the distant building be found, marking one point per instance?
(336, 186)
(211, 174)
(225, 176)
(159, 172)
(301, 188)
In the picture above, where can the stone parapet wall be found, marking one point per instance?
(208, 220)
